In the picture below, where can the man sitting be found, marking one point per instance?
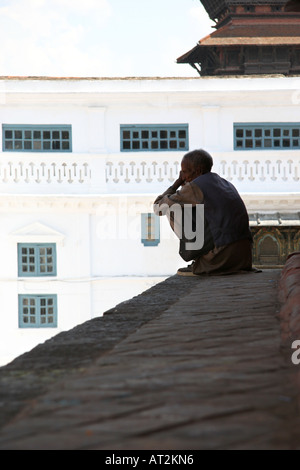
(227, 246)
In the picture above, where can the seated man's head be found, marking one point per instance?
(195, 163)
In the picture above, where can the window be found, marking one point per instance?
(150, 138)
(37, 311)
(36, 259)
(267, 136)
(36, 138)
(150, 229)
(232, 57)
(269, 251)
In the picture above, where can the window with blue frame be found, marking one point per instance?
(36, 138)
(36, 259)
(150, 229)
(262, 136)
(151, 138)
(37, 311)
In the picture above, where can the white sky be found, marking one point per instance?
(103, 38)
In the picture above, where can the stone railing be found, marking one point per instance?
(31, 173)
(275, 169)
(141, 173)
(44, 172)
(255, 171)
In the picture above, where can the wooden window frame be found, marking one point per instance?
(36, 264)
(154, 138)
(36, 138)
(37, 311)
(150, 224)
(266, 136)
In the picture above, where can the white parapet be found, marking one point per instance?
(255, 171)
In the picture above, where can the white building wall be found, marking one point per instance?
(89, 201)
(116, 240)
(96, 241)
(70, 232)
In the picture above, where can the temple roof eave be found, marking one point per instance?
(242, 30)
(250, 41)
(195, 55)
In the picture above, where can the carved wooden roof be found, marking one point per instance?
(215, 8)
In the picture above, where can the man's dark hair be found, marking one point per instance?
(200, 158)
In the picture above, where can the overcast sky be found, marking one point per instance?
(104, 38)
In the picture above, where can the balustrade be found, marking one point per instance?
(142, 171)
(34, 172)
(246, 173)
(115, 173)
(261, 170)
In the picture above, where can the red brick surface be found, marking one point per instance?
(194, 363)
(289, 296)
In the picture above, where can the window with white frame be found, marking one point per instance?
(261, 136)
(151, 138)
(37, 310)
(36, 138)
(150, 229)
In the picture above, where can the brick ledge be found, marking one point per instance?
(289, 297)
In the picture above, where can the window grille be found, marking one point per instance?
(151, 138)
(38, 311)
(273, 136)
(36, 259)
(150, 229)
(31, 138)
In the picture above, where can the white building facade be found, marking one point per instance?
(82, 161)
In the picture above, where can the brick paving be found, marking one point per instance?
(191, 364)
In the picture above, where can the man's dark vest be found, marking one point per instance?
(224, 209)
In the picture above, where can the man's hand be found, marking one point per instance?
(179, 182)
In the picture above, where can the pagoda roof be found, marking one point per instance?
(248, 41)
(215, 8)
(256, 33)
(258, 28)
